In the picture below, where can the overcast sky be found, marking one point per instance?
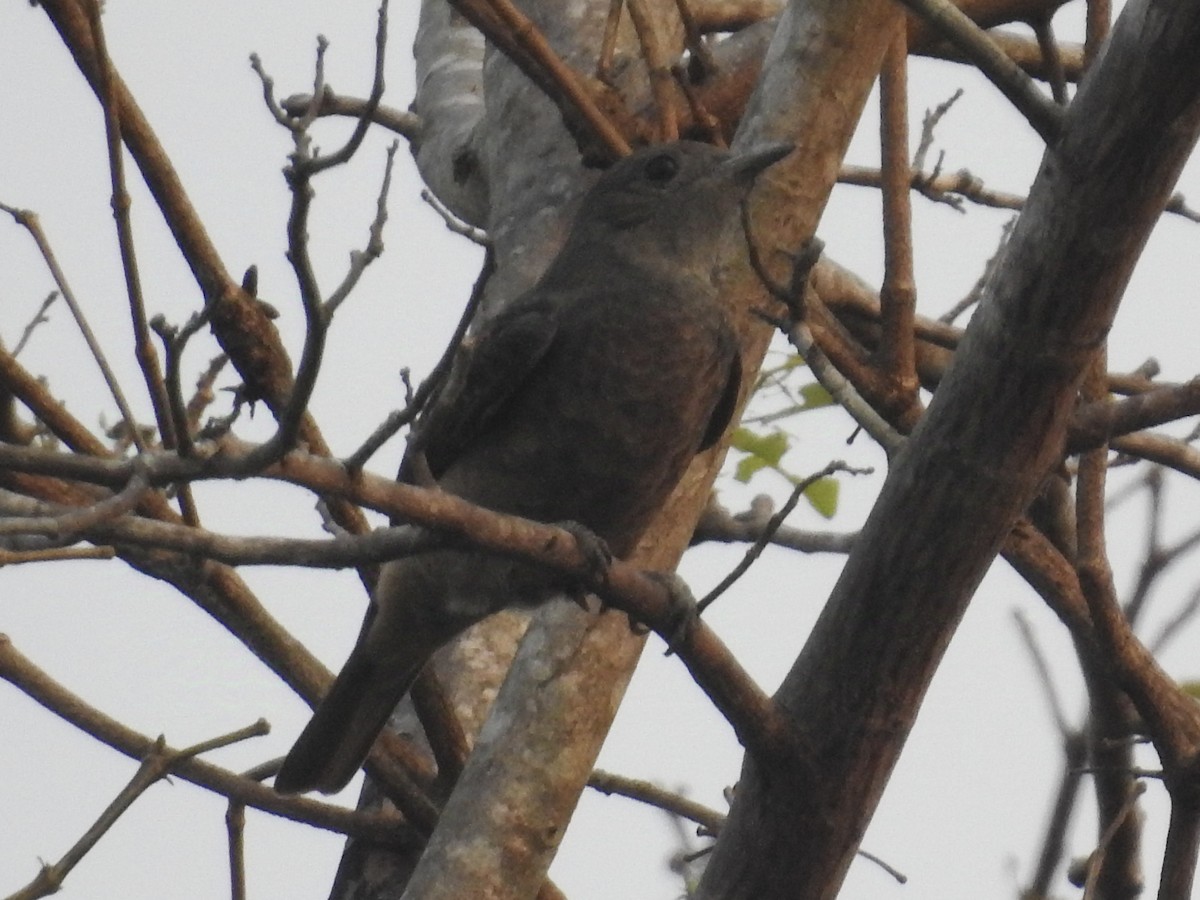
(964, 811)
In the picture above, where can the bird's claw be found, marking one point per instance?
(683, 615)
(596, 555)
(803, 264)
(806, 260)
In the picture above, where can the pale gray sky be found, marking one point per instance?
(970, 796)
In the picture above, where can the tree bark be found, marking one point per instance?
(499, 831)
(970, 468)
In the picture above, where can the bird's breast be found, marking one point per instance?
(604, 429)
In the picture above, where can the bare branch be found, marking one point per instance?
(718, 524)
(360, 259)
(516, 36)
(404, 123)
(1045, 117)
(772, 526)
(235, 828)
(39, 318)
(898, 295)
(143, 346)
(658, 65)
(653, 795)
(28, 220)
(157, 764)
(453, 223)
(19, 671)
(434, 381)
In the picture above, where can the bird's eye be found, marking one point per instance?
(662, 168)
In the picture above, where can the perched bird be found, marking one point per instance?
(583, 401)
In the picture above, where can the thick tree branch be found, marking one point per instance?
(861, 677)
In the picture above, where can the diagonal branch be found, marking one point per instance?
(240, 323)
(957, 27)
(520, 39)
(21, 672)
(909, 577)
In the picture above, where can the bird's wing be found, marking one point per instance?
(490, 369)
(723, 411)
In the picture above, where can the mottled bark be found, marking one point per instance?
(856, 688)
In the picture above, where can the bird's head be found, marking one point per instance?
(674, 199)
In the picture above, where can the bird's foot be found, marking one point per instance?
(805, 261)
(803, 264)
(597, 558)
(683, 615)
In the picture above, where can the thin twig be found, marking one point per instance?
(705, 120)
(1019, 88)
(29, 221)
(343, 155)
(54, 554)
(299, 173)
(69, 523)
(929, 124)
(1173, 626)
(175, 343)
(23, 674)
(1054, 840)
(973, 296)
(1096, 863)
(702, 65)
(1042, 667)
(1158, 448)
(453, 222)
(360, 259)
(608, 45)
(523, 34)
(658, 67)
(39, 318)
(143, 347)
(156, 765)
(887, 867)
(1043, 30)
(801, 306)
(843, 390)
(235, 830)
(953, 188)
(431, 384)
(202, 396)
(403, 122)
(756, 549)
(718, 524)
(660, 798)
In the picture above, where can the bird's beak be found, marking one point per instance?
(748, 163)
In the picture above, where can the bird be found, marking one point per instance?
(583, 401)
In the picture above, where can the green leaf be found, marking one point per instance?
(794, 361)
(822, 495)
(1191, 688)
(791, 362)
(768, 447)
(747, 466)
(815, 396)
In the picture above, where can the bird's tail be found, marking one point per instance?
(336, 740)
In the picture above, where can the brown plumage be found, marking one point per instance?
(583, 401)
